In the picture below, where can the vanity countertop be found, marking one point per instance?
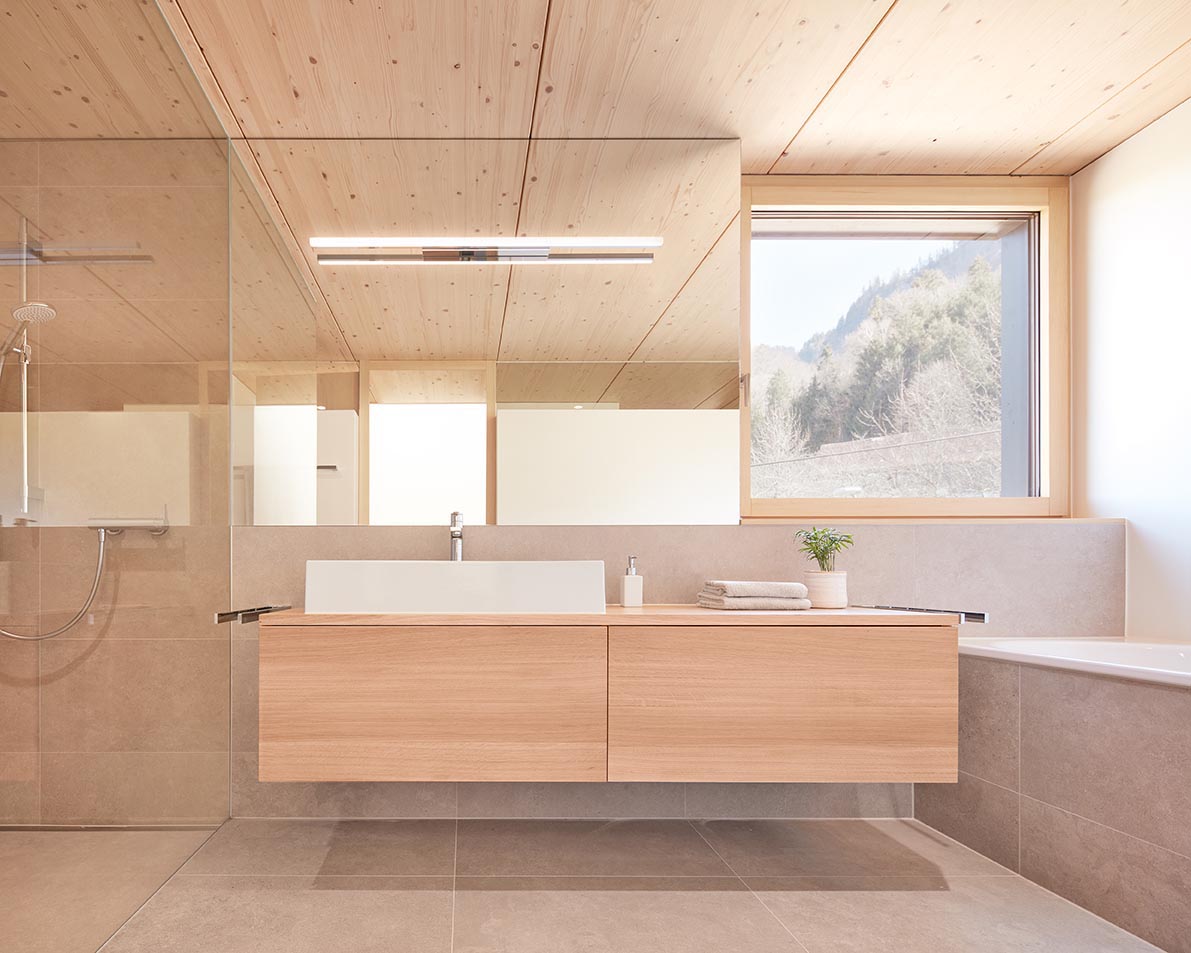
(622, 616)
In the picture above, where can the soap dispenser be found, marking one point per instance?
(632, 585)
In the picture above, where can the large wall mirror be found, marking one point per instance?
(592, 379)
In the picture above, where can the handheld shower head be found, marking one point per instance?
(33, 312)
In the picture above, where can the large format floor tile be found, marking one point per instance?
(534, 848)
(342, 848)
(936, 915)
(614, 915)
(68, 891)
(896, 848)
(217, 914)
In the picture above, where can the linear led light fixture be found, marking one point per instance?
(488, 256)
(490, 241)
(489, 250)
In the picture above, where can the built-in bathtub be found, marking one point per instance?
(1165, 662)
(1073, 771)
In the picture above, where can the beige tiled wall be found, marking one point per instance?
(125, 718)
(995, 567)
(1080, 783)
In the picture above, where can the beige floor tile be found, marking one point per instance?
(538, 848)
(841, 848)
(358, 848)
(936, 915)
(216, 914)
(625, 915)
(68, 891)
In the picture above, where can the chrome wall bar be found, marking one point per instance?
(965, 615)
(246, 615)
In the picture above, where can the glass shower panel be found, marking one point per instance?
(125, 426)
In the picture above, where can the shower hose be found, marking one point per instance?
(103, 539)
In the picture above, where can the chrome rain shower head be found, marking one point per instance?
(33, 312)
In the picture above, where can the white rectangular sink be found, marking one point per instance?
(439, 586)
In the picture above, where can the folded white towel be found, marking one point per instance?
(712, 601)
(734, 589)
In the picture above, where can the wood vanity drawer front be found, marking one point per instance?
(782, 703)
(435, 703)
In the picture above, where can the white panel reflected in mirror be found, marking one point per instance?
(426, 461)
(581, 467)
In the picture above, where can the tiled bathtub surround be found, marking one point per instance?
(972, 566)
(1081, 783)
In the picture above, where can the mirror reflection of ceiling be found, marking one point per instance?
(685, 191)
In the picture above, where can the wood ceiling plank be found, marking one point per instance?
(752, 70)
(326, 69)
(552, 383)
(978, 87)
(429, 385)
(1149, 97)
(685, 191)
(407, 187)
(96, 70)
(703, 322)
(669, 386)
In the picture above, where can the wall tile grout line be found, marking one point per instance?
(455, 871)
(744, 884)
(1107, 827)
(1018, 791)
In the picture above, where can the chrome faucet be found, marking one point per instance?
(456, 537)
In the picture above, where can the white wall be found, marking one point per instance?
(284, 473)
(652, 467)
(425, 461)
(1131, 299)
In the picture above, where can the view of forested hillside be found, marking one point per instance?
(902, 397)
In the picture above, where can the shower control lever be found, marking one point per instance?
(246, 615)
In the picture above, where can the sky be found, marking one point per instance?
(802, 287)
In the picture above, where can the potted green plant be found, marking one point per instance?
(826, 588)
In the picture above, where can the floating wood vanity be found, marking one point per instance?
(659, 693)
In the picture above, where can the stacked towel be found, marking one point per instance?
(730, 594)
(771, 590)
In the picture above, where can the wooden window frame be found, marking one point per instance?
(1046, 195)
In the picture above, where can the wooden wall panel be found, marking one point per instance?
(782, 704)
(466, 703)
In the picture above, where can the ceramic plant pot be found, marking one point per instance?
(827, 590)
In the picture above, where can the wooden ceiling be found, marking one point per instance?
(833, 86)
(314, 93)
